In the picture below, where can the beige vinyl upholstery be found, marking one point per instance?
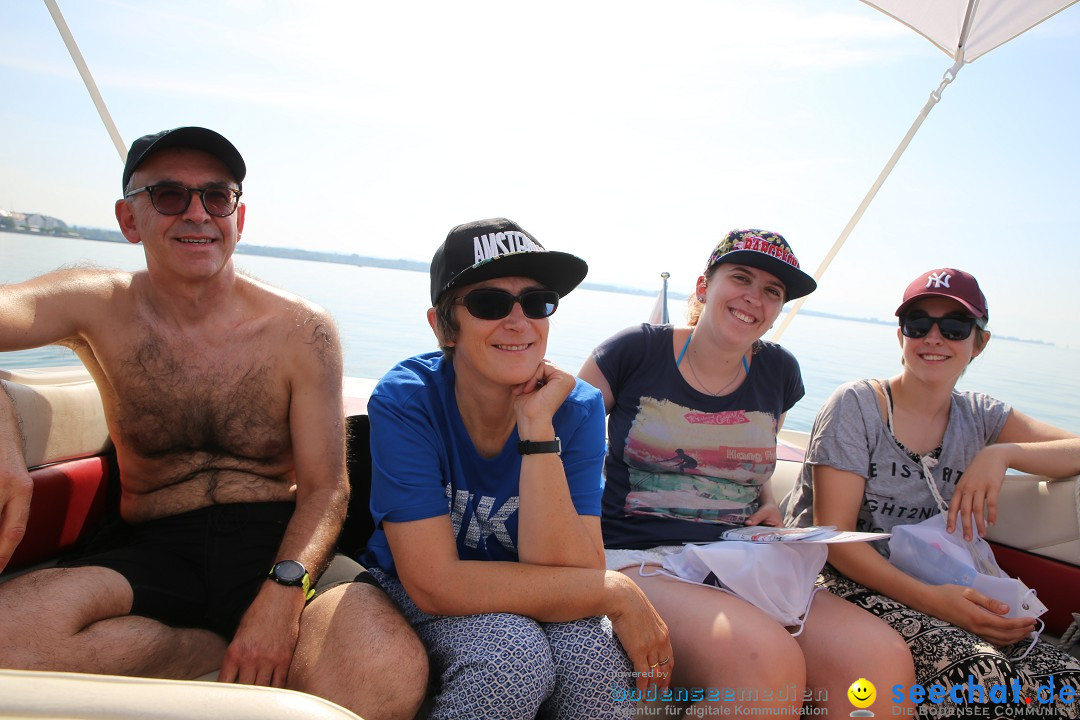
(61, 413)
(1040, 516)
(75, 696)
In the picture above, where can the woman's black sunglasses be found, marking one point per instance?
(952, 327)
(494, 304)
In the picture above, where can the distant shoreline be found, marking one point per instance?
(334, 257)
(102, 235)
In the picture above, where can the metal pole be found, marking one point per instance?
(88, 79)
(935, 96)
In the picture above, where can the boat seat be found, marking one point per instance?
(77, 696)
(69, 457)
(61, 413)
(358, 523)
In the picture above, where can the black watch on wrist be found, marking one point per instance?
(292, 574)
(527, 447)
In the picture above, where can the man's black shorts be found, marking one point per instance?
(201, 568)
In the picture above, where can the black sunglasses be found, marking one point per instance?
(494, 304)
(173, 199)
(952, 327)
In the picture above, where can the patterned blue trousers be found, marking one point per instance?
(501, 665)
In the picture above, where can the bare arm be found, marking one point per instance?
(16, 486)
(262, 648)
(550, 530)
(317, 427)
(590, 373)
(837, 498)
(440, 583)
(51, 309)
(1024, 444)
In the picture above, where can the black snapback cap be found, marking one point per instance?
(197, 138)
(498, 247)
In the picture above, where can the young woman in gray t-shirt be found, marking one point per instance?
(864, 471)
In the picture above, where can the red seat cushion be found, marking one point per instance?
(68, 501)
(1056, 583)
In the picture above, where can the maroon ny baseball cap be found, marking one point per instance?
(951, 283)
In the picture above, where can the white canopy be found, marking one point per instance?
(987, 23)
(964, 30)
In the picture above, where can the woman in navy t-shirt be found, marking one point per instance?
(694, 414)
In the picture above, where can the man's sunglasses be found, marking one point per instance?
(494, 304)
(173, 199)
(952, 327)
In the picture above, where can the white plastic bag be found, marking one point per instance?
(928, 552)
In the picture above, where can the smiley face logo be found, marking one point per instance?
(862, 693)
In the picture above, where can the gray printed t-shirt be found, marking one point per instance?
(850, 434)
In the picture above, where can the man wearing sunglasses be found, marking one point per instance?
(223, 399)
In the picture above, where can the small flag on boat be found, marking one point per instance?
(659, 314)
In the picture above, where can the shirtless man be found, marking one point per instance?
(223, 399)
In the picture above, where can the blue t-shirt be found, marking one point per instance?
(682, 465)
(424, 463)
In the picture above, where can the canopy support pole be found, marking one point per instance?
(935, 97)
(88, 79)
(659, 314)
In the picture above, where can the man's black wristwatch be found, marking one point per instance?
(527, 447)
(292, 574)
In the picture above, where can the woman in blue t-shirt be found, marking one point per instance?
(716, 393)
(486, 485)
(874, 443)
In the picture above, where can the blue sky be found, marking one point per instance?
(633, 134)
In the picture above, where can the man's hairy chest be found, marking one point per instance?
(171, 401)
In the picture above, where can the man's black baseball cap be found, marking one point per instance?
(197, 138)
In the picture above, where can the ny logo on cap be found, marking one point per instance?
(938, 280)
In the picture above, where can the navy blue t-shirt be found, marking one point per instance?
(682, 466)
(424, 464)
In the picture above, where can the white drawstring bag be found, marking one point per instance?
(928, 552)
(778, 578)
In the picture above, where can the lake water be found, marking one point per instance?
(381, 318)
